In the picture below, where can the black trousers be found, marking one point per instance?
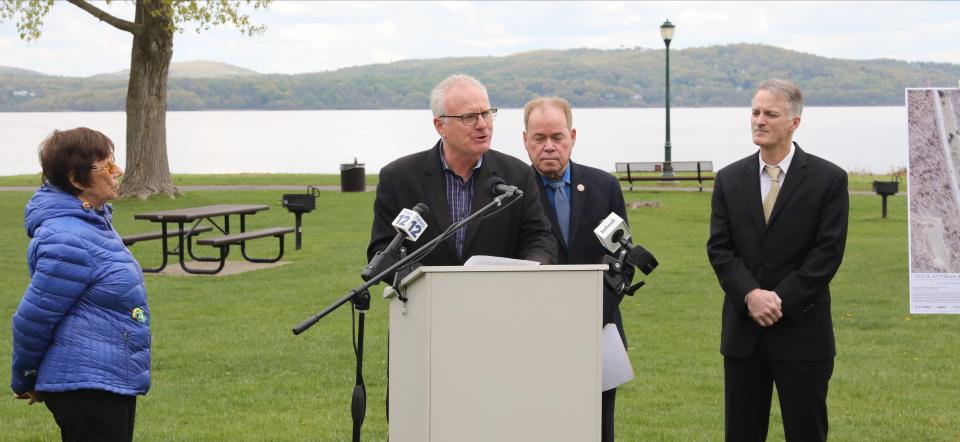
(607, 400)
(92, 415)
(801, 388)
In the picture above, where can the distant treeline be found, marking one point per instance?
(700, 77)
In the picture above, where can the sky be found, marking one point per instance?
(305, 36)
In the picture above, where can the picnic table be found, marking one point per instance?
(187, 222)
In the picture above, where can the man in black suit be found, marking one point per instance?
(576, 198)
(777, 234)
(450, 179)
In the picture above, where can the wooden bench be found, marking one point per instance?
(224, 242)
(635, 169)
(129, 240)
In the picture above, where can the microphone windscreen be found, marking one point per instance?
(492, 184)
(422, 209)
(642, 259)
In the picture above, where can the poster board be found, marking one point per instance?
(933, 132)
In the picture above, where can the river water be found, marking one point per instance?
(856, 138)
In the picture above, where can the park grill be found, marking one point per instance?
(300, 203)
(885, 189)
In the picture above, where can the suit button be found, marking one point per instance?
(767, 264)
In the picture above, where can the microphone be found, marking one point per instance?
(410, 222)
(499, 187)
(641, 258)
(409, 225)
(613, 232)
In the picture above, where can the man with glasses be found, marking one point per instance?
(450, 178)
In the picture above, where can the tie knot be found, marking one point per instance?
(556, 184)
(773, 171)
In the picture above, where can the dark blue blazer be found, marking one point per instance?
(594, 194)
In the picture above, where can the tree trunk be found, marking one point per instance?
(147, 169)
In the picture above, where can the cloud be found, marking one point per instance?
(317, 36)
(459, 7)
(289, 8)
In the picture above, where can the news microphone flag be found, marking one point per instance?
(607, 230)
(410, 223)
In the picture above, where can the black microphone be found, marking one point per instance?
(409, 225)
(637, 256)
(641, 258)
(614, 233)
(499, 187)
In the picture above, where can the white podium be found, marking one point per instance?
(496, 353)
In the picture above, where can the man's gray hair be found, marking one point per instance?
(439, 92)
(787, 89)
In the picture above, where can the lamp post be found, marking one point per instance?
(666, 31)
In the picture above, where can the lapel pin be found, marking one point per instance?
(580, 187)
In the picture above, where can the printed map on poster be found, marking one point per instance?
(933, 129)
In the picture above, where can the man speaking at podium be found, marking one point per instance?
(450, 179)
(576, 198)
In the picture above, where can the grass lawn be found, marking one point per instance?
(226, 366)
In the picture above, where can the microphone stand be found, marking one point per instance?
(360, 297)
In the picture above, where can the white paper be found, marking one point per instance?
(616, 365)
(486, 260)
(935, 293)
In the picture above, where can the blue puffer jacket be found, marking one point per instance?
(83, 322)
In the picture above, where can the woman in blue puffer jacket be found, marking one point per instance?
(81, 335)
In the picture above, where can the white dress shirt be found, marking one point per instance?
(766, 181)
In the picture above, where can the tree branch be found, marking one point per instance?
(118, 23)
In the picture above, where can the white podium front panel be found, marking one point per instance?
(497, 354)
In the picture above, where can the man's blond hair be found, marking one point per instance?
(557, 102)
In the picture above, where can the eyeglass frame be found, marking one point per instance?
(475, 116)
(109, 165)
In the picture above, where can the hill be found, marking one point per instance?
(17, 72)
(189, 69)
(714, 76)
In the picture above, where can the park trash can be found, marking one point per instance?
(352, 177)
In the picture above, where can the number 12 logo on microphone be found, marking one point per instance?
(410, 223)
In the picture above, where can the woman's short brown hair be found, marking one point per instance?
(66, 153)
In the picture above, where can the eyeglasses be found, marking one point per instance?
(109, 165)
(471, 118)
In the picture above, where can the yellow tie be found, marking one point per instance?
(774, 172)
